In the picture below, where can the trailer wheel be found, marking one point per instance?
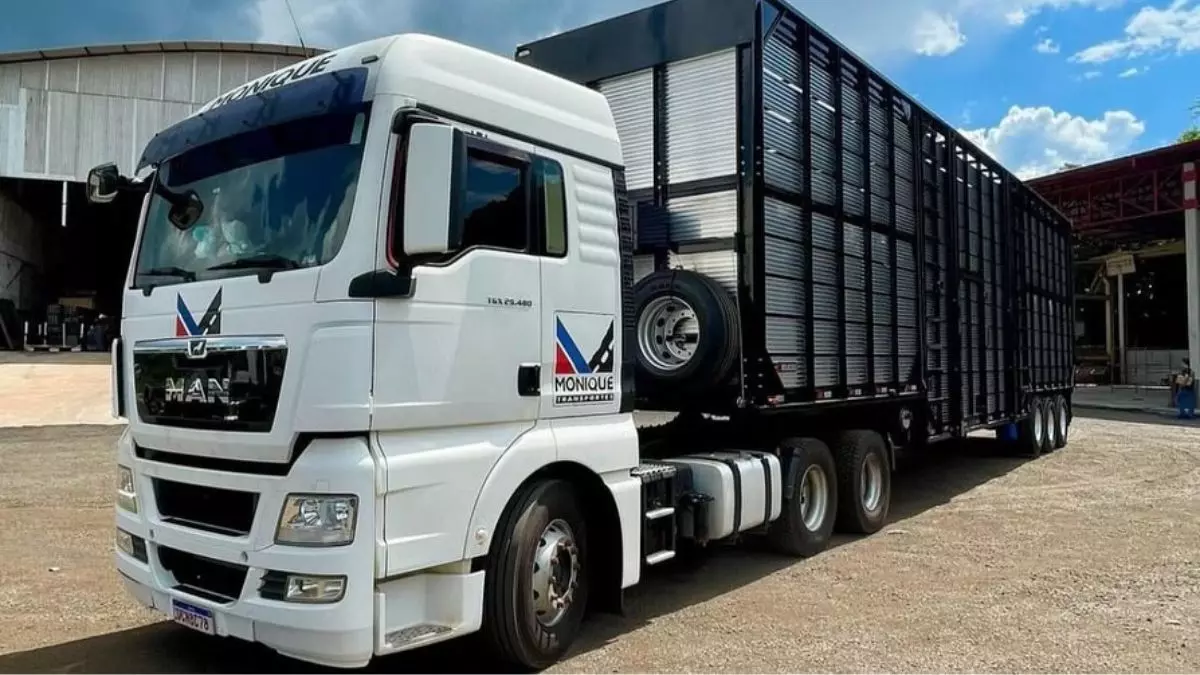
(1061, 421)
(536, 585)
(1031, 431)
(810, 499)
(687, 332)
(1047, 406)
(864, 481)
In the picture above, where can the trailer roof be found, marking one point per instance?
(682, 29)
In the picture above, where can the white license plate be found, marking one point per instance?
(196, 618)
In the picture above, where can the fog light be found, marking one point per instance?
(132, 546)
(311, 588)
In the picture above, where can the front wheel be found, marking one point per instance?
(536, 587)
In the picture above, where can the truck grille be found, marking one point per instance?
(228, 512)
(220, 383)
(210, 579)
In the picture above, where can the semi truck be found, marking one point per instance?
(420, 341)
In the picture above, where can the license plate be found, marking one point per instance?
(196, 618)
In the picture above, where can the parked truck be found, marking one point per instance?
(392, 309)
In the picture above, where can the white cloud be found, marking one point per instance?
(1017, 17)
(1035, 141)
(1133, 72)
(1092, 74)
(1151, 30)
(1047, 46)
(937, 35)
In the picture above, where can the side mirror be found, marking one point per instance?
(186, 210)
(103, 182)
(429, 167)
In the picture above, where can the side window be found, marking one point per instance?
(493, 203)
(554, 207)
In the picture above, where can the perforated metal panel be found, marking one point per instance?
(631, 98)
(702, 117)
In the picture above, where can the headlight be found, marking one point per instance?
(317, 520)
(315, 589)
(126, 490)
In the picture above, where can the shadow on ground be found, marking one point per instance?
(950, 470)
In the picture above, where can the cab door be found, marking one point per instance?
(463, 350)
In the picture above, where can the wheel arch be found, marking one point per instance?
(606, 549)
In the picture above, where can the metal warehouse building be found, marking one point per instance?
(63, 111)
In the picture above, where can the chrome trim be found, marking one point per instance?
(213, 344)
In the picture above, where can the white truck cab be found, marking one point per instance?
(398, 304)
(390, 311)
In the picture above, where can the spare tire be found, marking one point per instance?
(687, 335)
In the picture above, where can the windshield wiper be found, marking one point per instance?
(265, 261)
(269, 263)
(177, 272)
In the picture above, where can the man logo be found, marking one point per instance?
(197, 349)
(186, 324)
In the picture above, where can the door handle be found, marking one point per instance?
(529, 379)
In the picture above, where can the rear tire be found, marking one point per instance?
(810, 499)
(1030, 431)
(864, 481)
(1047, 405)
(686, 330)
(1061, 422)
(540, 546)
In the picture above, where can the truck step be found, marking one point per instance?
(663, 512)
(659, 557)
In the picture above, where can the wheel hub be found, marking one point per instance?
(814, 497)
(668, 333)
(871, 483)
(555, 573)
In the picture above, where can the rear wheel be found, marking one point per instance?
(1047, 406)
(1031, 431)
(1061, 422)
(536, 587)
(864, 481)
(809, 499)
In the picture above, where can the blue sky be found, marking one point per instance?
(1109, 77)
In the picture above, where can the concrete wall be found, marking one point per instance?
(21, 250)
(61, 117)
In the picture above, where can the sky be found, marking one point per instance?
(1036, 83)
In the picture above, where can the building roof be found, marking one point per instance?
(159, 48)
(1124, 202)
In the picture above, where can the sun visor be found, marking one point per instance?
(259, 104)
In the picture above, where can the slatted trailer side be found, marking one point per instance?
(873, 252)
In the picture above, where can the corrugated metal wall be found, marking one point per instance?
(59, 118)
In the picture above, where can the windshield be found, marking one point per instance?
(277, 198)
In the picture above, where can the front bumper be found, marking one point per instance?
(230, 574)
(374, 617)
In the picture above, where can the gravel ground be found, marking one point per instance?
(1087, 560)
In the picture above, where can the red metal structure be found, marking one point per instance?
(1126, 201)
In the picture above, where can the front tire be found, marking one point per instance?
(536, 587)
(810, 497)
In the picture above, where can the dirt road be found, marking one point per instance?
(1086, 560)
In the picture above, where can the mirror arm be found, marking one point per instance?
(383, 283)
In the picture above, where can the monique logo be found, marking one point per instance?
(186, 324)
(580, 380)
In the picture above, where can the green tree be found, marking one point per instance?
(1192, 133)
